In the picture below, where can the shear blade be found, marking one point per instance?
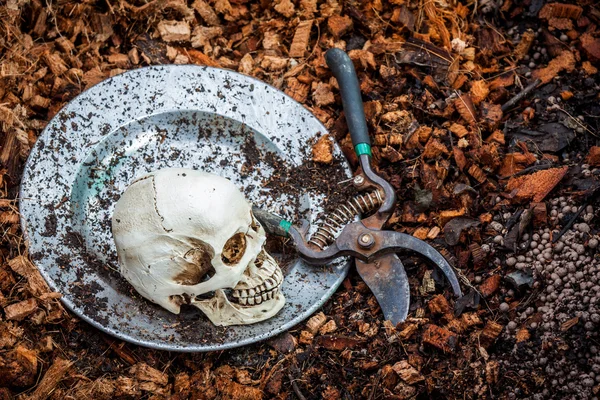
(387, 280)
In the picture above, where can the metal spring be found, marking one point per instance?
(360, 204)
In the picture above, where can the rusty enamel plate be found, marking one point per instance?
(168, 116)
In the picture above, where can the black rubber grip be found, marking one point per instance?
(342, 68)
(271, 222)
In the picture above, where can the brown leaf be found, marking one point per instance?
(565, 326)
(337, 342)
(466, 109)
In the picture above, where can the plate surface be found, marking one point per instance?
(171, 116)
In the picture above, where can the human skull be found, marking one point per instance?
(189, 237)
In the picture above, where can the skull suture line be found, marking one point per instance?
(186, 236)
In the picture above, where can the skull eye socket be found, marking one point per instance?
(200, 268)
(234, 249)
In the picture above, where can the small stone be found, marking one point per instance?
(504, 307)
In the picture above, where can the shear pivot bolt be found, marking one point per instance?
(366, 240)
(358, 180)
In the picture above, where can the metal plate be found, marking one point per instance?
(156, 117)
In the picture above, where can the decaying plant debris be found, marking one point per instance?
(484, 116)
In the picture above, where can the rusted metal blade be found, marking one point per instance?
(387, 280)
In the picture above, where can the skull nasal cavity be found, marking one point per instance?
(234, 249)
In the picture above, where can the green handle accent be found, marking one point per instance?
(285, 225)
(363, 148)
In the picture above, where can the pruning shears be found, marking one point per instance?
(373, 249)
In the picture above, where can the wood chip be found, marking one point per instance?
(476, 172)
(285, 8)
(322, 94)
(439, 337)
(338, 26)
(363, 59)
(434, 148)
(589, 68)
(301, 39)
(19, 311)
(329, 327)
(593, 157)
(316, 322)
(490, 286)
(174, 31)
(206, 12)
(297, 90)
(491, 115)
(421, 233)
(407, 372)
(490, 332)
(199, 58)
(540, 214)
(439, 305)
(564, 62)
(479, 91)
(525, 44)
(459, 130)
(535, 186)
(19, 366)
(391, 154)
(492, 371)
(202, 35)
(563, 24)
(55, 63)
(306, 337)
(273, 63)
(322, 150)
(22, 266)
(433, 233)
(560, 10)
(523, 335)
(591, 46)
(51, 379)
(144, 372)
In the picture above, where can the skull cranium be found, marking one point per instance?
(189, 237)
